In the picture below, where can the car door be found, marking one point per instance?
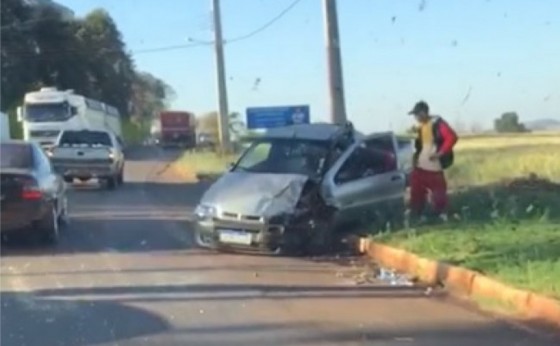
(366, 181)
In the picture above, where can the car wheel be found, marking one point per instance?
(120, 177)
(320, 237)
(63, 212)
(204, 241)
(48, 227)
(111, 183)
(293, 243)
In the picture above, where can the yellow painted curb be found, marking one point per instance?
(462, 280)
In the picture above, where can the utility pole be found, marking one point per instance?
(334, 61)
(223, 113)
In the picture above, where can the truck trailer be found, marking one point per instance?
(177, 129)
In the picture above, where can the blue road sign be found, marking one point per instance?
(269, 117)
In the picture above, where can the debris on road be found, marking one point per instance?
(394, 278)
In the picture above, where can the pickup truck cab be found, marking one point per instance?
(88, 154)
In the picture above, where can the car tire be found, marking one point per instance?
(320, 239)
(201, 243)
(293, 244)
(111, 183)
(120, 177)
(63, 219)
(48, 227)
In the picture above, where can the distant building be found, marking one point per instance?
(65, 12)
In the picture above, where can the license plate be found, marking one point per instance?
(235, 237)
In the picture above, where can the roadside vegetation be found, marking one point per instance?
(93, 61)
(505, 212)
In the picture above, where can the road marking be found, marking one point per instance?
(16, 282)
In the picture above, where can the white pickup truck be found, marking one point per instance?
(88, 154)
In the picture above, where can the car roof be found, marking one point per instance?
(313, 132)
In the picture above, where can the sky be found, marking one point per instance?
(471, 60)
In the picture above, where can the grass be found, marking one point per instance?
(524, 255)
(505, 211)
(478, 166)
(133, 132)
(206, 162)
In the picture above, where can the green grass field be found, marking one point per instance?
(505, 211)
(523, 254)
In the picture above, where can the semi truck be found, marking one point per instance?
(48, 111)
(176, 129)
(4, 127)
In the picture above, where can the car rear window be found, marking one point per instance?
(16, 155)
(85, 138)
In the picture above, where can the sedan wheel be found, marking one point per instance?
(48, 227)
(63, 212)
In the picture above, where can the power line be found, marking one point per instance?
(266, 25)
(248, 35)
(194, 43)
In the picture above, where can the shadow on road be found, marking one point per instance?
(30, 320)
(86, 316)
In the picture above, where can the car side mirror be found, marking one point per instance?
(19, 114)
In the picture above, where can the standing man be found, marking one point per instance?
(434, 153)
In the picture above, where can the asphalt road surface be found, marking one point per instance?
(126, 273)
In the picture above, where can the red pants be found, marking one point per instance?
(422, 181)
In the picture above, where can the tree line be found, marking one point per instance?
(42, 47)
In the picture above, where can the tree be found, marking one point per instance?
(18, 50)
(509, 122)
(208, 123)
(110, 67)
(42, 46)
(150, 95)
(60, 59)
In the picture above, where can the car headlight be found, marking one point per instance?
(205, 211)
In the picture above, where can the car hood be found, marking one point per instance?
(255, 194)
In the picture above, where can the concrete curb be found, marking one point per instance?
(463, 281)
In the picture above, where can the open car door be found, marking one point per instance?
(367, 182)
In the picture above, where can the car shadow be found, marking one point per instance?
(28, 319)
(88, 316)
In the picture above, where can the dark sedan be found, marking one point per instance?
(33, 196)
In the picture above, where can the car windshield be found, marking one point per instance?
(16, 155)
(85, 138)
(284, 156)
(46, 112)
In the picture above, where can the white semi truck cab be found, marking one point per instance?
(47, 112)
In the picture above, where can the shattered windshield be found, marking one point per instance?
(284, 156)
(45, 112)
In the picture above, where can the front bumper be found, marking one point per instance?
(239, 235)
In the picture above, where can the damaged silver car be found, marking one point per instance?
(295, 187)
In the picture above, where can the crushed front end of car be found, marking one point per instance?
(265, 213)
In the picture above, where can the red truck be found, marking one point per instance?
(177, 128)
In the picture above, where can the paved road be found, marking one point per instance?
(126, 273)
